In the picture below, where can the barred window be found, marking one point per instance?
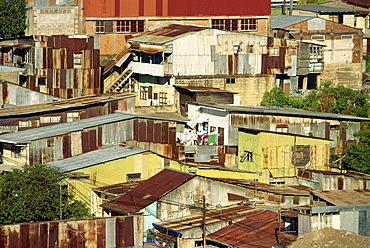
(248, 25)
(104, 27)
(130, 26)
(225, 24)
(163, 98)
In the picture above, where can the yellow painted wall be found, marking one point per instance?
(113, 172)
(272, 153)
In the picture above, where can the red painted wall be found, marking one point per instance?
(168, 8)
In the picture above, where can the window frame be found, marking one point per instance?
(163, 97)
(250, 24)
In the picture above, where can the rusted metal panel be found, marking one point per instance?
(24, 232)
(92, 140)
(66, 146)
(148, 191)
(142, 131)
(164, 137)
(150, 131)
(85, 142)
(129, 231)
(157, 132)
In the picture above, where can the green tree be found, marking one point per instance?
(329, 99)
(12, 18)
(358, 154)
(36, 193)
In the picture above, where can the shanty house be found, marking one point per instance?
(45, 114)
(115, 22)
(173, 194)
(237, 226)
(331, 180)
(340, 58)
(277, 156)
(361, 20)
(225, 119)
(64, 140)
(62, 66)
(196, 56)
(351, 215)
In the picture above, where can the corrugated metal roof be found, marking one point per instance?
(11, 68)
(64, 104)
(281, 111)
(27, 136)
(167, 116)
(213, 216)
(149, 191)
(361, 3)
(321, 8)
(119, 188)
(165, 34)
(264, 187)
(204, 89)
(283, 21)
(354, 174)
(257, 230)
(345, 197)
(95, 157)
(255, 131)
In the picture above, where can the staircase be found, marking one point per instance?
(117, 84)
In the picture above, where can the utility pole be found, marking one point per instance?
(204, 222)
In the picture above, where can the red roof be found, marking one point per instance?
(149, 191)
(361, 3)
(257, 230)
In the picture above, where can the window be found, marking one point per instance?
(249, 49)
(130, 26)
(345, 37)
(16, 152)
(133, 176)
(247, 156)
(301, 155)
(315, 50)
(225, 24)
(144, 92)
(318, 37)
(50, 119)
(274, 51)
(163, 98)
(333, 18)
(282, 128)
(230, 80)
(248, 25)
(74, 116)
(41, 81)
(77, 59)
(236, 49)
(103, 27)
(34, 123)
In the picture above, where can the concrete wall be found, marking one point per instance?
(52, 21)
(250, 89)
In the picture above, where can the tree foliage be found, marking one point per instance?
(358, 155)
(329, 99)
(36, 193)
(12, 18)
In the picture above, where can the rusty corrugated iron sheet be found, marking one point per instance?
(118, 189)
(258, 229)
(165, 34)
(64, 105)
(344, 197)
(265, 187)
(308, 174)
(83, 233)
(149, 191)
(211, 217)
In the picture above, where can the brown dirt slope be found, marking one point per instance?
(330, 237)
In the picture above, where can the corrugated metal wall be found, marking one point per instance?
(84, 233)
(71, 66)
